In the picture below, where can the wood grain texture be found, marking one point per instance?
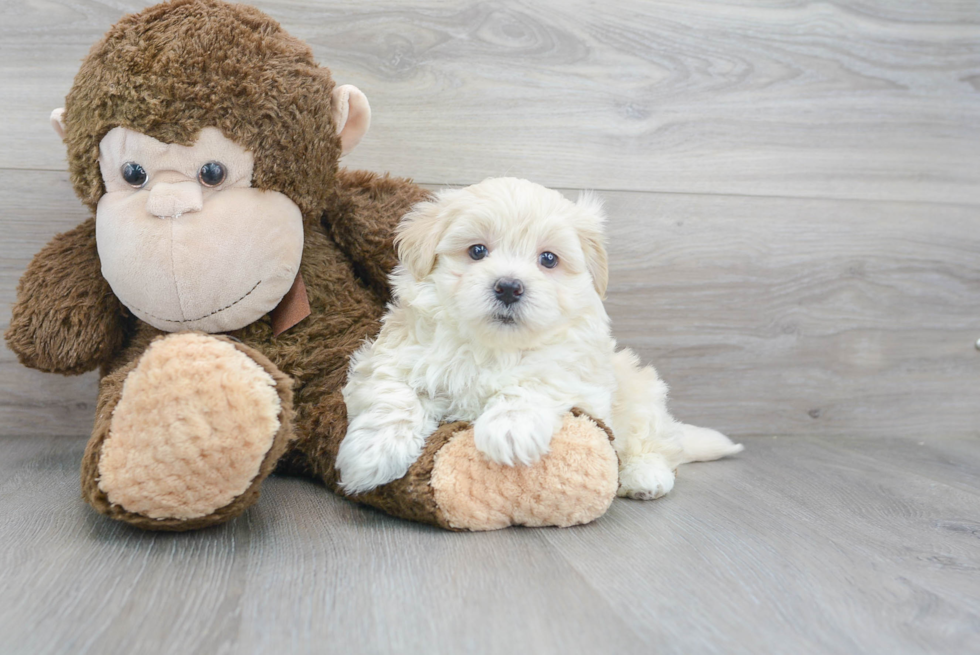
(850, 99)
(802, 317)
(806, 546)
(765, 315)
(798, 545)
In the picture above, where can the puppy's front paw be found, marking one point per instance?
(369, 458)
(514, 436)
(645, 477)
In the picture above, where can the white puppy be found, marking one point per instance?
(497, 318)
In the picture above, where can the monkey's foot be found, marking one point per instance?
(454, 486)
(197, 425)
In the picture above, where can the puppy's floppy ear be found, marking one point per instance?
(417, 235)
(589, 224)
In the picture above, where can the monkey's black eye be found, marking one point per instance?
(211, 174)
(548, 259)
(479, 251)
(134, 174)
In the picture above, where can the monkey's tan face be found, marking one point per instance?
(186, 243)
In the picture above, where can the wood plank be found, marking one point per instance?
(765, 315)
(797, 543)
(793, 317)
(849, 99)
(301, 572)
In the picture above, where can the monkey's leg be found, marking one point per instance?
(573, 484)
(185, 435)
(452, 485)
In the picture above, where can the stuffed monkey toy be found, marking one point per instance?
(228, 271)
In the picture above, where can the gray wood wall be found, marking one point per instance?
(793, 187)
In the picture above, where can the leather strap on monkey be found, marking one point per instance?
(293, 308)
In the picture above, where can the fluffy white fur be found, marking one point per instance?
(450, 350)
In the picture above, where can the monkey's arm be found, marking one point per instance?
(362, 221)
(66, 318)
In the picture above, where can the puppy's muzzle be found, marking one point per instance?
(508, 290)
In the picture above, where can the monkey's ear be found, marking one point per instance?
(351, 115)
(58, 121)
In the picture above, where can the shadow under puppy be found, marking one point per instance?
(498, 319)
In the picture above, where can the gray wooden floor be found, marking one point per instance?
(794, 199)
(801, 545)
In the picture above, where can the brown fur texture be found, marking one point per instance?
(178, 67)
(66, 319)
(169, 72)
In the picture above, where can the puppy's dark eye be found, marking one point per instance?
(479, 251)
(548, 259)
(134, 174)
(211, 174)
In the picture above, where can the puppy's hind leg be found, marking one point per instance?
(650, 442)
(643, 429)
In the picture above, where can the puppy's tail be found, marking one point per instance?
(703, 444)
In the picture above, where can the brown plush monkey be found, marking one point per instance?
(229, 270)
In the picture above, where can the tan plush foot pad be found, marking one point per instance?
(575, 483)
(195, 422)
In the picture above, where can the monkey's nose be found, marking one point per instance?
(174, 199)
(508, 290)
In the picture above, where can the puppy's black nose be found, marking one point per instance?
(508, 290)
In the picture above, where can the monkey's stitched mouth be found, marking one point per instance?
(199, 318)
